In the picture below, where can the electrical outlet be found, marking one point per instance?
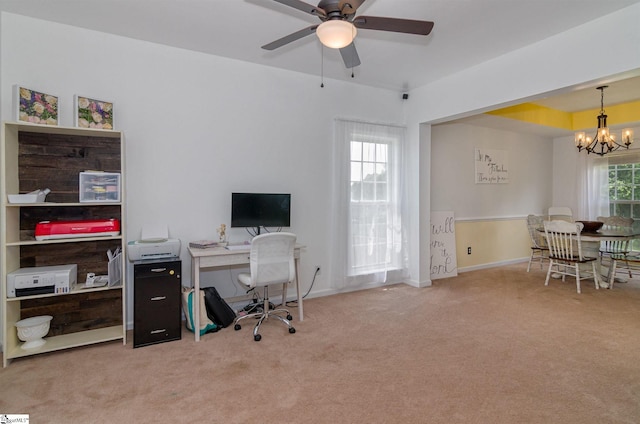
(318, 270)
(469, 250)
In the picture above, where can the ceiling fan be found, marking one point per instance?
(339, 26)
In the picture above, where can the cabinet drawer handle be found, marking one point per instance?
(157, 331)
(158, 269)
(159, 298)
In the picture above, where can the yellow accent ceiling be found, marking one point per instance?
(572, 121)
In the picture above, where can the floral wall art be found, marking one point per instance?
(92, 113)
(35, 107)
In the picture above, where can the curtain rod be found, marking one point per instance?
(360, 121)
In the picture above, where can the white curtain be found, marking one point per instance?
(369, 238)
(593, 186)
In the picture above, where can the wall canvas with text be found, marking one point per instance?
(492, 166)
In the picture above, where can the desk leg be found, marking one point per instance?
(195, 274)
(300, 311)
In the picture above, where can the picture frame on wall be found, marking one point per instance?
(93, 113)
(492, 166)
(35, 107)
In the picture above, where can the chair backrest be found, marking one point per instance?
(563, 213)
(534, 224)
(616, 222)
(563, 239)
(271, 259)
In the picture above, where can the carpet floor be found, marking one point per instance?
(488, 346)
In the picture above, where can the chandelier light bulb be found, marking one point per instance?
(627, 136)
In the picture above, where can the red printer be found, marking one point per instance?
(47, 230)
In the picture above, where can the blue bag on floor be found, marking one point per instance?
(206, 325)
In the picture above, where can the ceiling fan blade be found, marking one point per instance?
(408, 26)
(290, 38)
(350, 56)
(305, 7)
(349, 7)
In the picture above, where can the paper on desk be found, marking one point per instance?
(154, 232)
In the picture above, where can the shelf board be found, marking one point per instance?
(54, 204)
(68, 341)
(78, 290)
(57, 129)
(63, 240)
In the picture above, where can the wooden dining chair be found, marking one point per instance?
(563, 213)
(565, 252)
(539, 249)
(614, 251)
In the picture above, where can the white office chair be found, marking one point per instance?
(271, 261)
(563, 213)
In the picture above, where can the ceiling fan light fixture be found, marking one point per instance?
(336, 34)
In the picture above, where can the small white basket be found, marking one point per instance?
(36, 196)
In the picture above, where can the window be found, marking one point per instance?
(369, 203)
(624, 190)
(371, 211)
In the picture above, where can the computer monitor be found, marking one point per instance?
(260, 210)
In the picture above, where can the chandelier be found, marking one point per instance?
(604, 142)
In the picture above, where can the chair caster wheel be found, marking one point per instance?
(292, 330)
(257, 337)
(289, 317)
(237, 327)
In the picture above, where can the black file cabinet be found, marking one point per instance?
(156, 302)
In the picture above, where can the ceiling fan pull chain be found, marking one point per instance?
(321, 66)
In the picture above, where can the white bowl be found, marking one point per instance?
(32, 330)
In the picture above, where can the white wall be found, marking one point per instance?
(192, 121)
(453, 184)
(198, 127)
(565, 169)
(549, 66)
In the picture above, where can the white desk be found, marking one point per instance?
(217, 257)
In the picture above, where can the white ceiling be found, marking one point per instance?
(466, 32)
(617, 92)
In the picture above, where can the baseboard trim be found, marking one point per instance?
(493, 264)
(419, 284)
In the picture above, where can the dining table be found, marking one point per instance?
(591, 241)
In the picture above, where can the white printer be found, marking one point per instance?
(57, 279)
(158, 248)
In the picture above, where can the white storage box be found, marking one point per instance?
(99, 187)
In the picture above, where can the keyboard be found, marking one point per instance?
(246, 247)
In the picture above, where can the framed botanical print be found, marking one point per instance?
(93, 113)
(35, 107)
